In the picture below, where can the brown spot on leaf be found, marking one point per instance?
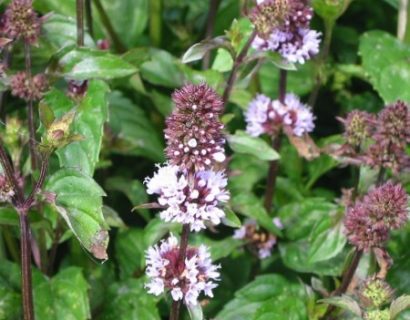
(99, 245)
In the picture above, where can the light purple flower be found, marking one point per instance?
(185, 282)
(193, 203)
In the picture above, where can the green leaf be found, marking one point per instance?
(10, 297)
(129, 252)
(46, 115)
(130, 300)
(63, 297)
(112, 218)
(134, 133)
(250, 206)
(251, 300)
(282, 307)
(219, 248)
(199, 50)
(129, 19)
(156, 229)
(79, 202)
(295, 256)
(223, 61)
(195, 312)
(328, 243)
(241, 142)
(300, 217)
(162, 69)
(92, 113)
(399, 305)
(330, 10)
(344, 302)
(280, 62)
(86, 63)
(61, 31)
(385, 60)
(231, 219)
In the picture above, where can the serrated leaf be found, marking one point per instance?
(399, 305)
(79, 202)
(327, 244)
(199, 50)
(135, 135)
(92, 113)
(63, 297)
(241, 142)
(86, 63)
(385, 60)
(344, 302)
(130, 300)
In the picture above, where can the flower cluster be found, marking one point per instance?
(194, 132)
(185, 280)
(392, 134)
(26, 88)
(282, 26)
(267, 116)
(6, 190)
(378, 141)
(21, 21)
(375, 293)
(189, 202)
(259, 241)
(191, 191)
(369, 221)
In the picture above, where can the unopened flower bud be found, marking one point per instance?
(375, 293)
(377, 315)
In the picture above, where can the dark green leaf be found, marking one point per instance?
(241, 142)
(79, 202)
(231, 219)
(198, 50)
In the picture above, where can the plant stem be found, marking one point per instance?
(237, 63)
(80, 22)
(176, 305)
(89, 17)
(276, 144)
(119, 47)
(155, 22)
(40, 182)
(26, 284)
(9, 172)
(402, 19)
(31, 120)
(210, 25)
(346, 280)
(329, 25)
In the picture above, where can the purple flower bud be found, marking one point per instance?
(28, 89)
(359, 126)
(391, 138)
(185, 280)
(369, 221)
(193, 130)
(21, 21)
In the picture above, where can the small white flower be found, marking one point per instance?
(164, 272)
(300, 52)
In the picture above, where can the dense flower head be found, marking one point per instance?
(186, 280)
(189, 199)
(21, 21)
(375, 293)
(259, 241)
(359, 126)
(391, 138)
(361, 232)
(6, 190)
(267, 116)
(193, 130)
(369, 221)
(283, 26)
(26, 88)
(388, 204)
(377, 315)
